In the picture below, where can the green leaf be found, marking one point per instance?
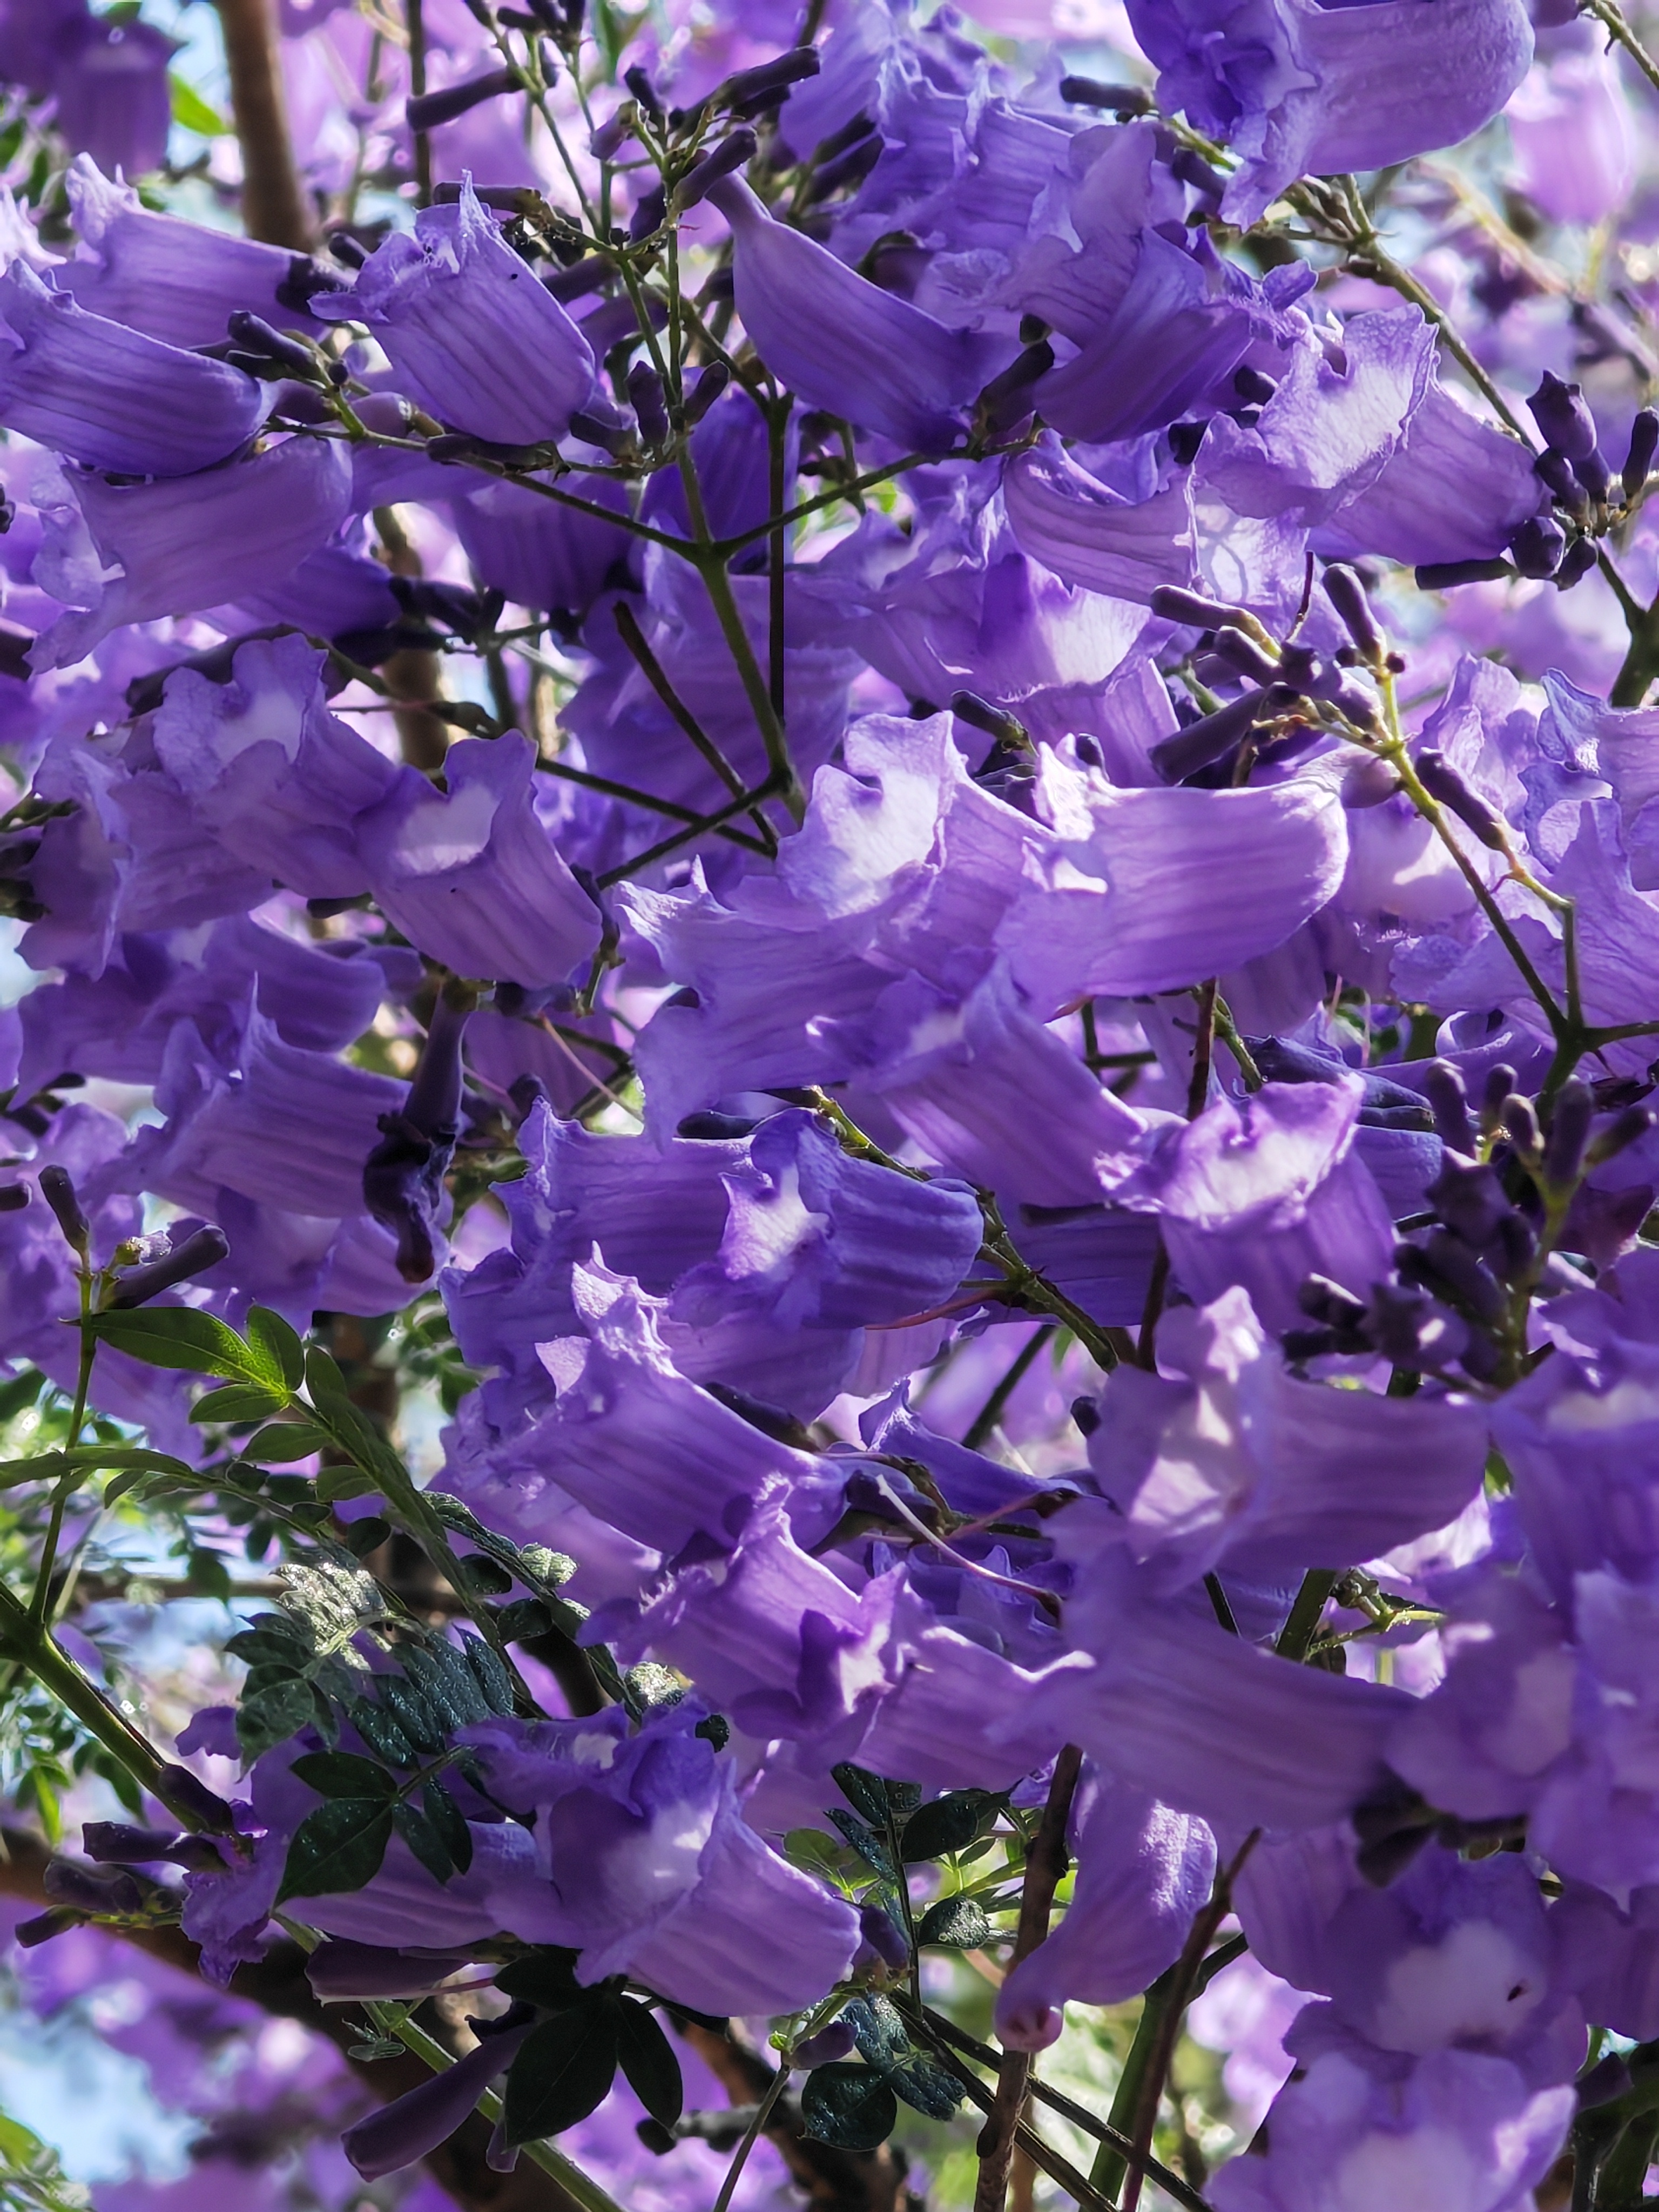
(414, 1715)
(424, 1840)
(338, 1482)
(865, 1792)
(959, 1923)
(870, 1847)
(850, 2107)
(31, 2173)
(449, 1823)
(527, 1617)
(178, 1336)
(342, 1774)
(545, 1976)
(380, 1730)
(878, 2030)
(239, 1401)
(927, 2087)
(563, 2072)
(285, 1441)
(273, 1716)
(191, 112)
(278, 1346)
(950, 1823)
(648, 2062)
(338, 1847)
(490, 1673)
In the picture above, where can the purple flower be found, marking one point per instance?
(471, 334)
(1142, 1873)
(1299, 87)
(110, 396)
(470, 875)
(842, 342)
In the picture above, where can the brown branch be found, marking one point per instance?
(274, 204)
(1045, 1862)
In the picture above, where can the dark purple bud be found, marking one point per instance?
(1445, 785)
(1189, 166)
(710, 384)
(1368, 783)
(1520, 1122)
(1500, 1081)
(645, 390)
(1085, 1413)
(995, 722)
(256, 336)
(1625, 1129)
(1576, 563)
(31, 1933)
(612, 432)
(735, 151)
(422, 2118)
(1214, 736)
(1468, 1198)
(1447, 576)
(202, 1250)
(1537, 546)
(1445, 1258)
(885, 1937)
(199, 1854)
(1185, 439)
(186, 1793)
(1246, 658)
(1570, 1129)
(1190, 608)
(1322, 1300)
(1561, 417)
(1513, 1248)
(1643, 444)
(1347, 593)
(826, 2047)
(118, 1842)
(427, 109)
(14, 1197)
(849, 167)
(1251, 385)
(105, 1890)
(1555, 469)
(1006, 399)
(588, 275)
(611, 136)
(343, 1973)
(752, 91)
(404, 1176)
(59, 1194)
(1442, 1086)
(1121, 99)
(644, 92)
(1593, 472)
(647, 217)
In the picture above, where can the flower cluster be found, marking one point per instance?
(895, 815)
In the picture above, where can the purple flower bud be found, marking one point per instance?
(1569, 1134)
(648, 214)
(1555, 469)
(883, 1936)
(427, 109)
(59, 1194)
(708, 387)
(1347, 593)
(1213, 735)
(611, 138)
(1004, 401)
(118, 1842)
(14, 1197)
(202, 1249)
(1444, 1264)
(1447, 576)
(1592, 471)
(735, 151)
(1445, 785)
(417, 2121)
(827, 2046)
(102, 1890)
(644, 92)
(341, 1972)
(1468, 1198)
(1442, 1086)
(1561, 417)
(752, 91)
(1243, 654)
(1625, 1129)
(256, 336)
(1520, 1122)
(188, 1794)
(995, 722)
(1500, 1081)
(1122, 100)
(645, 390)
(1536, 548)
(1643, 443)
(31, 1933)
(1251, 385)
(1176, 604)
(1575, 564)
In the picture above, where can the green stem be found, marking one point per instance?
(1304, 1618)
(775, 2089)
(707, 823)
(71, 1478)
(653, 804)
(978, 1429)
(657, 677)
(1611, 17)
